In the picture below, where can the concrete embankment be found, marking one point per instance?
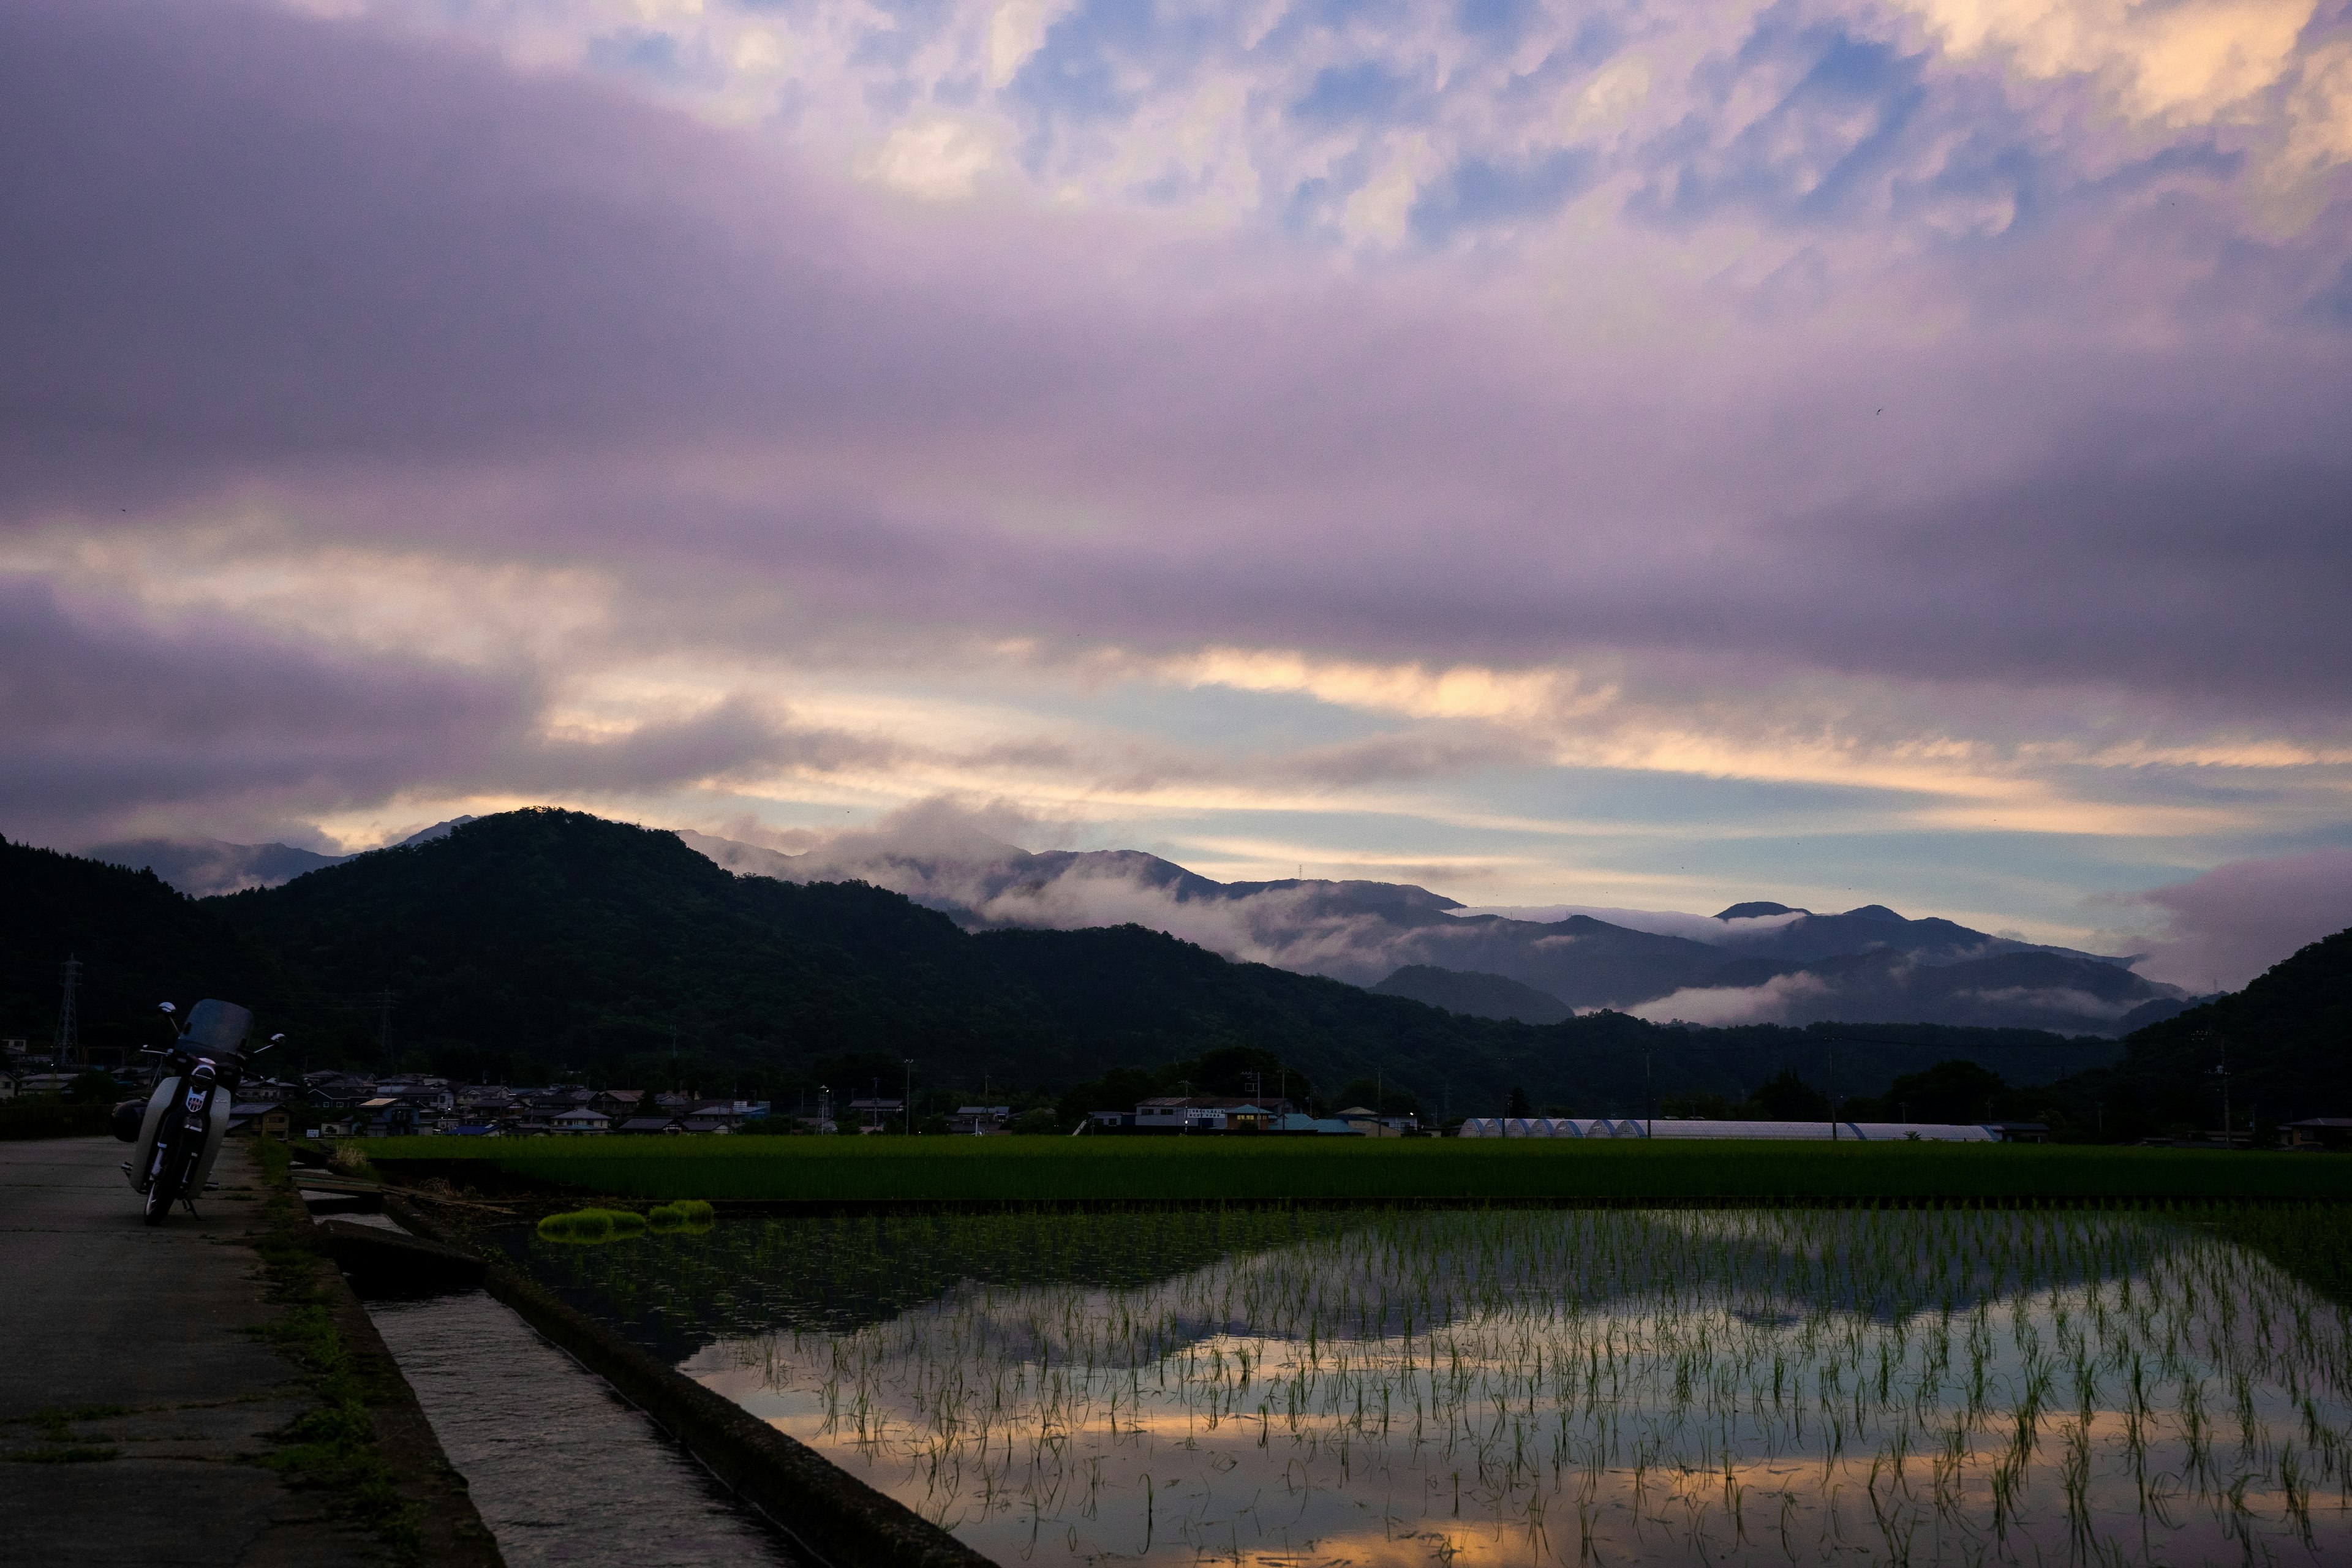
(831, 1516)
(144, 1393)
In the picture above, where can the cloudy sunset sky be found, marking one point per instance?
(1647, 453)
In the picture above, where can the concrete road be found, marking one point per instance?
(98, 1309)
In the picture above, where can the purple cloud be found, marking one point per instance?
(107, 721)
(390, 294)
(2236, 921)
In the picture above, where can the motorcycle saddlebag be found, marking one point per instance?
(126, 1119)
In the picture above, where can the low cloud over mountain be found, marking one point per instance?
(1752, 962)
(1759, 963)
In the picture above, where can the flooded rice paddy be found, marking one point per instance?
(1516, 1386)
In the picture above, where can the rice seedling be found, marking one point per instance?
(592, 1226)
(1922, 1386)
(686, 1214)
(1065, 1170)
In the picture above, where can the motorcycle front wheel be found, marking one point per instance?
(171, 1174)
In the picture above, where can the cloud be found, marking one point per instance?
(1803, 400)
(1784, 998)
(2227, 926)
(1659, 923)
(118, 723)
(111, 722)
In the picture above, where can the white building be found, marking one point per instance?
(1694, 1129)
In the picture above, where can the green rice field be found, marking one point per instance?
(1125, 1170)
(1392, 1387)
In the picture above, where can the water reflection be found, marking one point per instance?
(1518, 1386)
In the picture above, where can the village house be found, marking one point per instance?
(262, 1118)
(2317, 1132)
(1209, 1113)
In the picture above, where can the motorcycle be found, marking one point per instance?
(177, 1131)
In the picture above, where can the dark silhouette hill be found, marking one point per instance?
(139, 942)
(540, 943)
(2286, 1037)
(1363, 932)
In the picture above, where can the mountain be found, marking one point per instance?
(539, 943)
(1755, 961)
(137, 941)
(205, 868)
(2032, 990)
(1476, 995)
(1805, 936)
(2286, 1039)
(202, 867)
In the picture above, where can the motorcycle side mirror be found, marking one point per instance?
(269, 1044)
(166, 1007)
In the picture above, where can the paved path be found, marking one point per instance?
(99, 1308)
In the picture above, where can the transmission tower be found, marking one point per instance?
(69, 1014)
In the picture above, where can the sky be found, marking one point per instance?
(1646, 455)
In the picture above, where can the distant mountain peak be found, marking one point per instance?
(205, 868)
(438, 830)
(1875, 912)
(1755, 910)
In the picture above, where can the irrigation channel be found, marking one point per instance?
(1515, 1386)
(561, 1468)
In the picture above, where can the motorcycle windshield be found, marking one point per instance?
(217, 1025)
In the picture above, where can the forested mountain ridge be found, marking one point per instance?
(1755, 961)
(137, 940)
(537, 942)
(2286, 1039)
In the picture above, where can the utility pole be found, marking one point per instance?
(69, 1014)
(2222, 1072)
(1649, 1095)
(910, 1106)
(1834, 1128)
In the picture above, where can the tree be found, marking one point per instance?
(1948, 1091)
(1787, 1096)
(1519, 1106)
